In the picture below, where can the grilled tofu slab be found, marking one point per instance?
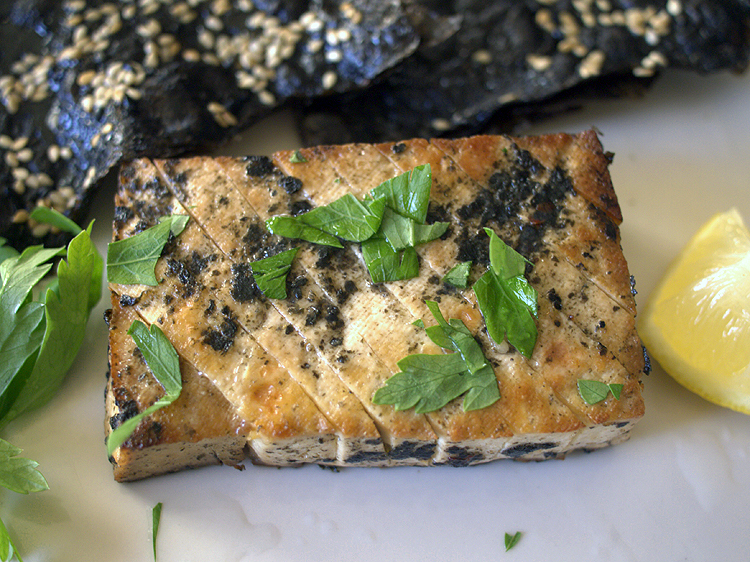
(291, 381)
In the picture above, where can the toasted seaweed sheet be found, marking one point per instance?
(510, 60)
(86, 84)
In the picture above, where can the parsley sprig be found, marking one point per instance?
(164, 363)
(133, 260)
(428, 382)
(40, 335)
(506, 299)
(592, 392)
(389, 223)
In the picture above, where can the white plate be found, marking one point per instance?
(678, 490)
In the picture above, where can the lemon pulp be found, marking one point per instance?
(696, 324)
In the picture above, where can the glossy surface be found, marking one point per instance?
(678, 490)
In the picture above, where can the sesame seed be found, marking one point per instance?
(569, 24)
(44, 180)
(90, 174)
(539, 63)
(618, 17)
(191, 55)
(206, 39)
(214, 23)
(149, 29)
(40, 230)
(21, 215)
(334, 56)
(133, 93)
(107, 128)
(19, 143)
(58, 200)
(53, 153)
(32, 182)
(75, 5)
(343, 35)
(314, 45)
(331, 37)
(635, 21)
(210, 58)
(592, 64)
(66, 153)
(481, 56)
(651, 37)
(674, 7)
(245, 80)
(660, 22)
(544, 19)
(87, 103)
(95, 140)
(220, 7)
(151, 60)
(5, 141)
(20, 174)
(440, 124)
(25, 155)
(329, 79)
(266, 97)
(12, 103)
(85, 78)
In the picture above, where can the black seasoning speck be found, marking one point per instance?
(258, 166)
(127, 300)
(297, 208)
(290, 184)
(313, 313)
(555, 299)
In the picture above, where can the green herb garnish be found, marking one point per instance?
(506, 299)
(511, 540)
(164, 363)
(133, 260)
(408, 194)
(56, 219)
(389, 223)
(6, 251)
(293, 227)
(386, 264)
(297, 157)
(18, 475)
(429, 382)
(402, 232)
(458, 276)
(38, 341)
(346, 218)
(270, 273)
(593, 392)
(155, 520)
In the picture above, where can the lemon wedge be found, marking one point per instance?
(696, 323)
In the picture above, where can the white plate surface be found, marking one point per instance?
(678, 490)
